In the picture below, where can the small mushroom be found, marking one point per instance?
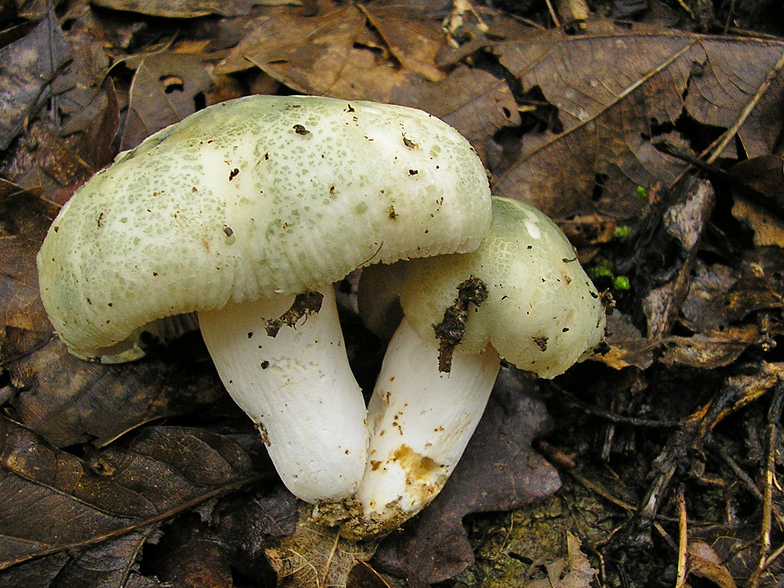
(246, 213)
(522, 296)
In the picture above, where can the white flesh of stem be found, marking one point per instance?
(420, 421)
(298, 389)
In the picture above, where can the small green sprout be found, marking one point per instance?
(605, 269)
(621, 283)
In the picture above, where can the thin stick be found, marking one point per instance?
(329, 559)
(683, 539)
(774, 415)
(553, 15)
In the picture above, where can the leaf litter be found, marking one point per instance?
(597, 124)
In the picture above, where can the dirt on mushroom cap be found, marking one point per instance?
(542, 312)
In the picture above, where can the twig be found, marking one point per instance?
(683, 539)
(611, 416)
(774, 556)
(601, 492)
(553, 15)
(329, 559)
(730, 14)
(774, 415)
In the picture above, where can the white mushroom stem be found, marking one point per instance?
(421, 421)
(298, 389)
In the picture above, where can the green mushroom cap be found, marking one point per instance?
(539, 310)
(251, 198)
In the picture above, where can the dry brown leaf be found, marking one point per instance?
(573, 572)
(365, 76)
(414, 43)
(618, 92)
(28, 65)
(705, 563)
(307, 53)
(69, 401)
(163, 92)
(731, 555)
(315, 556)
(24, 220)
(768, 228)
(499, 470)
(110, 564)
(180, 8)
(144, 479)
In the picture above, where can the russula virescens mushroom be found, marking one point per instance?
(522, 296)
(246, 213)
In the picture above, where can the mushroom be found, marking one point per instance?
(522, 296)
(246, 213)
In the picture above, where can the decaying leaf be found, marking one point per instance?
(144, 479)
(315, 555)
(181, 8)
(80, 96)
(109, 563)
(29, 64)
(24, 220)
(69, 401)
(307, 53)
(705, 563)
(726, 310)
(61, 162)
(611, 111)
(498, 471)
(573, 572)
(727, 556)
(414, 43)
(164, 92)
(475, 102)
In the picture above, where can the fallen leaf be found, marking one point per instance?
(762, 179)
(248, 524)
(608, 112)
(80, 88)
(727, 554)
(69, 401)
(573, 572)
(705, 563)
(306, 53)
(366, 76)
(413, 42)
(180, 8)
(674, 224)
(315, 555)
(768, 228)
(144, 479)
(29, 64)
(37, 572)
(164, 91)
(498, 471)
(97, 143)
(57, 158)
(24, 220)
